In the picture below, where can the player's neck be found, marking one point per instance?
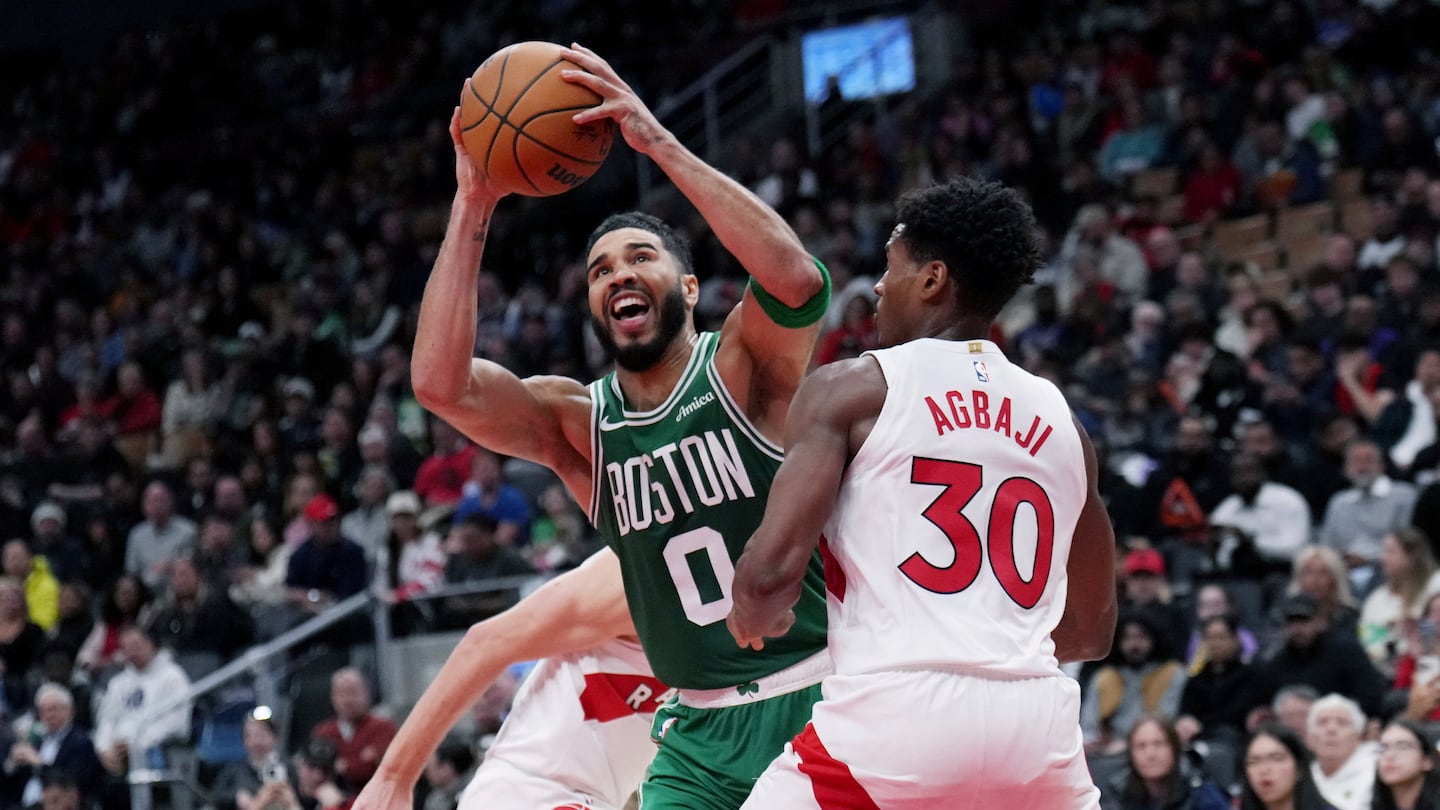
(959, 328)
(646, 390)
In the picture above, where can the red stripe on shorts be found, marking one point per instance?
(834, 574)
(835, 787)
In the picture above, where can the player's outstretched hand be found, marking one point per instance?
(384, 793)
(638, 124)
(470, 183)
(752, 635)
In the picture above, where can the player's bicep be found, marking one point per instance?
(819, 442)
(767, 359)
(1090, 609)
(775, 348)
(514, 417)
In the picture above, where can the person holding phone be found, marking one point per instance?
(1418, 670)
(238, 783)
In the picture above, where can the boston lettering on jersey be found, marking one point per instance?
(678, 490)
(677, 478)
(957, 412)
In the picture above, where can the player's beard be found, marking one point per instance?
(641, 356)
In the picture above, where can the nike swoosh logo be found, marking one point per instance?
(606, 424)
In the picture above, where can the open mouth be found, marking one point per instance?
(629, 310)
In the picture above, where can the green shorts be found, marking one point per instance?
(709, 759)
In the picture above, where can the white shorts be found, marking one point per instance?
(498, 785)
(913, 740)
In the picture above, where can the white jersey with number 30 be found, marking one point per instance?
(954, 558)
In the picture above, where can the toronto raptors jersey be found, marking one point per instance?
(583, 722)
(947, 547)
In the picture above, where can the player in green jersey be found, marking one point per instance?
(673, 452)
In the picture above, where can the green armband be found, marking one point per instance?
(795, 317)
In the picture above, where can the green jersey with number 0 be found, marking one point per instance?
(678, 491)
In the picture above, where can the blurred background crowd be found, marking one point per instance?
(214, 236)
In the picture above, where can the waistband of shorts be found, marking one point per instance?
(793, 678)
(965, 671)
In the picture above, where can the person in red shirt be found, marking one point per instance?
(441, 477)
(1212, 188)
(360, 738)
(135, 408)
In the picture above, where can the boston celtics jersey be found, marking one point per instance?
(677, 493)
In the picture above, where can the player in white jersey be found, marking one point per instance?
(966, 547)
(578, 735)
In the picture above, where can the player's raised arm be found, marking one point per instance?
(832, 414)
(1087, 628)
(482, 399)
(752, 231)
(777, 322)
(574, 612)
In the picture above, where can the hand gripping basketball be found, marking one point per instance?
(619, 103)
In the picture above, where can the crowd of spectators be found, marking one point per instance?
(213, 240)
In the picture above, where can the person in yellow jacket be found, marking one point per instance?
(1140, 678)
(42, 589)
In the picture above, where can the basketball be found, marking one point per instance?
(515, 122)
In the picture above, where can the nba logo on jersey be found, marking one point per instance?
(981, 372)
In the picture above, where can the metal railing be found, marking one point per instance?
(729, 96)
(259, 664)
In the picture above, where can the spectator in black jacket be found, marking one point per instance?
(1218, 697)
(1319, 657)
(198, 623)
(54, 744)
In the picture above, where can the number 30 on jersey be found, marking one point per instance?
(962, 482)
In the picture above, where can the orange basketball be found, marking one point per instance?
(515, 122)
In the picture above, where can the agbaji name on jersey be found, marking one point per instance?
(959, 411)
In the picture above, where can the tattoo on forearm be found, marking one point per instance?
(480, 235)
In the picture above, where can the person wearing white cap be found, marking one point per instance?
(416, 559)
(299, 425)
(66, 556)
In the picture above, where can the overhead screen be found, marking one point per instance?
(874, 58)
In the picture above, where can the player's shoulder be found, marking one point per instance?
(837, 377)
(855, 383)
(558, 385)
(563, 394)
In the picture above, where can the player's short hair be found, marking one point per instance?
(677, 245)
(984, 232)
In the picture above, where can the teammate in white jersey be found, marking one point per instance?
(578, 735)
(966, 547)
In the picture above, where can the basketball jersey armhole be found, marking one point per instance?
(737, 414)
(597, 448)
